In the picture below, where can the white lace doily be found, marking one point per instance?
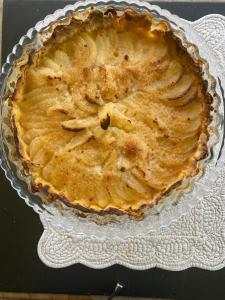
(197, 239)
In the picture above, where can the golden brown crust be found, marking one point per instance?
(133, 148)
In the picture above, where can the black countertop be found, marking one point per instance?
(20, 228)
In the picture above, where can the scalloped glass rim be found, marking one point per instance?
(128, 228)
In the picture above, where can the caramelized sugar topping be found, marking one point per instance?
(111, 112)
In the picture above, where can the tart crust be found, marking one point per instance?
(111, 114)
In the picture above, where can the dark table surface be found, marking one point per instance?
(20, 228)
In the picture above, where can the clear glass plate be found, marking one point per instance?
(170, 209)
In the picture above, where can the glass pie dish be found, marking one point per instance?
(162, 214)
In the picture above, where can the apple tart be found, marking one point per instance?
(111, 113)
